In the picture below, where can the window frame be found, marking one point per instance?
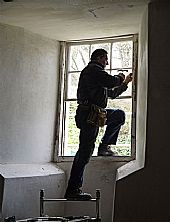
(62, 95)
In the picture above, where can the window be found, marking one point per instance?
(122, 53)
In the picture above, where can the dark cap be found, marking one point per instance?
(98, 53)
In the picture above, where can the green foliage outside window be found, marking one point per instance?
(123, 147)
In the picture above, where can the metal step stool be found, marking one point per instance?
(44, 218)
(96, 200)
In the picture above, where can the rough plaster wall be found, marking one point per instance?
(28, 80)
(144, 196)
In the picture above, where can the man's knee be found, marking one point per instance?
(120, 114)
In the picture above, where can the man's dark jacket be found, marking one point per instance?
(96, 85)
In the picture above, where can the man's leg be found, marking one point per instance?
(115, 119)
(88, 134)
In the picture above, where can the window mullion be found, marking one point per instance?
(134, 90)
(111, 56)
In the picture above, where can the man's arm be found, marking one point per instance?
(106, 80)
(115, 92)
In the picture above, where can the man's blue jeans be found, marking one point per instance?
(87, 139)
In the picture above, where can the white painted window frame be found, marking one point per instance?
(62, 92)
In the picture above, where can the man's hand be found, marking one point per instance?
(122, 75)
(128, 78)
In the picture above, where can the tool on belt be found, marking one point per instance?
(97, 116)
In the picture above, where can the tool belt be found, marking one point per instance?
(97, 116)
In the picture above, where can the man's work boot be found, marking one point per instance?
(77, 195)
(105, 150)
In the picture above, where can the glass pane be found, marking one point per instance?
(122, 150)
(73, 79)
(122, 54)
(105, 46)
(128, 92)
(123, 146)
(125, 132)
(71, 131)
(79, 57)
(124, 104)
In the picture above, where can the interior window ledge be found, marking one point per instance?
(129, 168)
(125, 159)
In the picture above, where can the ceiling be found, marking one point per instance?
(74, 19)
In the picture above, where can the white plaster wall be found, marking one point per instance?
(141, 112)
(28, 81)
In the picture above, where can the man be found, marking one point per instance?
(94, 88)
